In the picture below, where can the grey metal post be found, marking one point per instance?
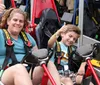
(31, 2)
(80, 25)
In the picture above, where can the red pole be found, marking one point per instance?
(48, 74)
(93, 71)
(33, 12)
(44, 79)
(13, 3)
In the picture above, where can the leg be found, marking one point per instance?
(16, 75)
(52, 69)
(79, 79)
(66, 81)
(37, 75)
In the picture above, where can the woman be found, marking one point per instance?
(15, 21)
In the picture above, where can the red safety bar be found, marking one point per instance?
(47, 76)
(92, 71)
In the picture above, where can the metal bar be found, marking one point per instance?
(80, 25)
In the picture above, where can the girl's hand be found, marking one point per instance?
(62, 29)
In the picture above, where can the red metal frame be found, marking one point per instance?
(47, 76)
(90, 70)
(13, 3)
(34, 10)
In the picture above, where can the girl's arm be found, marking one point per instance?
(54, 37)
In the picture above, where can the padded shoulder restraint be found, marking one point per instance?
(27, 45)
(58, 52)
(9, 48)
(25, 38)
(9, 52)
(57, 55)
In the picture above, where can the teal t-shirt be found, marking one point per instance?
(64, 59)
(18, 47)
(64, 50)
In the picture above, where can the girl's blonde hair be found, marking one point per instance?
(74, 28)
(9, 14)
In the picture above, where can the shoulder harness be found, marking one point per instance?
(58, 55)
(10, 51)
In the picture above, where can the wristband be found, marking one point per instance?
(56, 35)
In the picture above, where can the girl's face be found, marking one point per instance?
(16, 23)
(69, 38)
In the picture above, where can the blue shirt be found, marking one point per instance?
(18, 47)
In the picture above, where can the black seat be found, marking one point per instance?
(47, 26)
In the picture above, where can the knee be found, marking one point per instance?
(19, 68)
(13, 71)
(79, 79)
(37, 71)
(66, 81)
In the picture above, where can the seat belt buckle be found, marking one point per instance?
(28, 43)
(9, 42)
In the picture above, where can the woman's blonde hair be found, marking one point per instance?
(9, 14)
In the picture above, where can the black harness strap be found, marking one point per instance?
(28, 47)
(58, 52)
(58, 56)
(9, 50)
(27, 44)
(69, 50)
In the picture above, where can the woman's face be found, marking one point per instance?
(16, 23)
(69, 38)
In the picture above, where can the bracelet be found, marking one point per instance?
(56, 35)
(80, 74)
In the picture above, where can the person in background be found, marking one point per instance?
(2, 9)
(69, 35)
(14, 20)
(68, 4)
